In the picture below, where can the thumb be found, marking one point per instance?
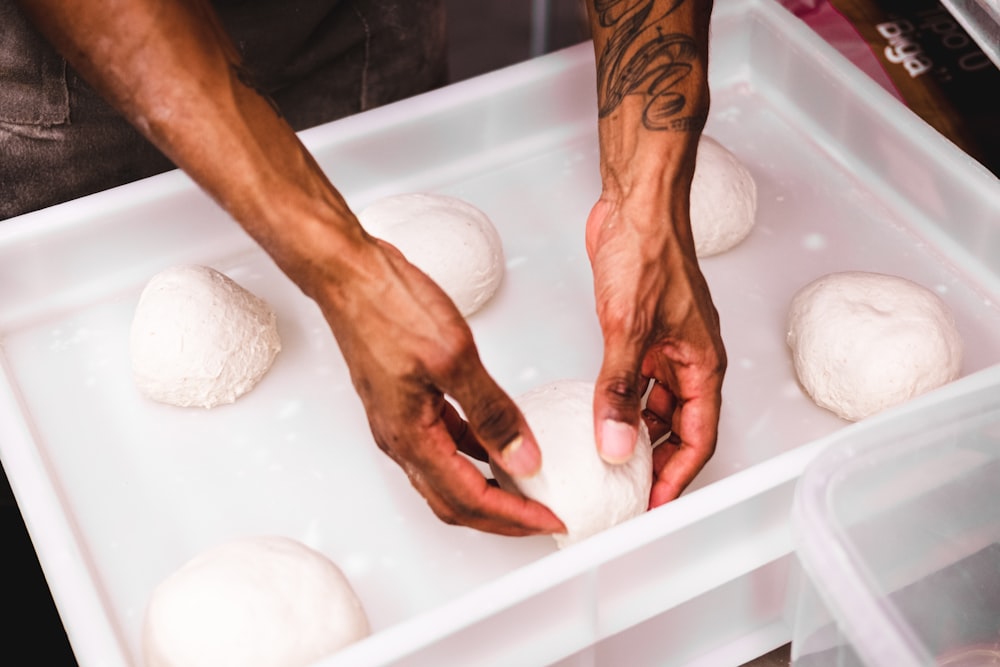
(617, 397)
(499, 426)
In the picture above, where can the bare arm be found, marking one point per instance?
(653, 303)
(168, 66)
(171, 70)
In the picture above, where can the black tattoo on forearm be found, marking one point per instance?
(639, 58)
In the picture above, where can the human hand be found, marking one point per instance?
(408, 347)
(405, 343)
(659, 323)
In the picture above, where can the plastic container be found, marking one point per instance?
(897, 526)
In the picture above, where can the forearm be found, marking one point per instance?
(653, 97)
(170, 69)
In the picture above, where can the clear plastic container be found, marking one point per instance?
(897, 527)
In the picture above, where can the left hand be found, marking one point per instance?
(659, 323)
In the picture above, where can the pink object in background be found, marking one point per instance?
(829, 24)
(797, 6)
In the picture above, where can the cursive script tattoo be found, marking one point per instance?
(639, 58)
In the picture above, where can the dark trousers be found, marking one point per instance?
(318, 60)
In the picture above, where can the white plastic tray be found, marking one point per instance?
(118, 492)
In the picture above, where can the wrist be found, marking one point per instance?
(316, 241)
(634, 160)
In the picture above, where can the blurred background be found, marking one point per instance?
(485, 35)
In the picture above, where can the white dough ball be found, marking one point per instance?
(723, 199)
(447, 238)
(862, 342)
(252, 602)
(200, 339)
(586, 493)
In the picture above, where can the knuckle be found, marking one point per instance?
(723, 362)
(626, 322)
(459, 512)
(492, 422)
(451, 353)
(622, 390)
(447, 515)
(385, 444)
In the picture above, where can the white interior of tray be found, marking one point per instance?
(118, 492)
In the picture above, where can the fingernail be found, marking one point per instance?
(519, 460)
(617, 441)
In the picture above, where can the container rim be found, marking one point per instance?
(877, 631)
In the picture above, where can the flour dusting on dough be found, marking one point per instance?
(200, 339)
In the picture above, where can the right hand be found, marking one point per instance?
(659, 323)
(407, 347)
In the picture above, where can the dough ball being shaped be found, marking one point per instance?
(862, 342)
(252, 602)
(586, 493)
(200, 339)
(447, 238)
(723, 199)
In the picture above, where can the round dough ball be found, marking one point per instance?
(200, 339)
(723, 199)
(252, 602)
(586, 493)
(862, 342)
(447, 238)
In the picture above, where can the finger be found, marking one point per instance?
(663, 452)
(661, 401)
(659, 411)
(460, 432)
(618, 393)
(695, 432)
(657, 426)
(459, 494)
(497, 424)
(679, 471)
